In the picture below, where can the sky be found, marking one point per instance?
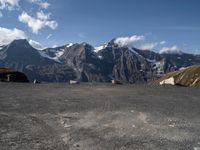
(159, 25)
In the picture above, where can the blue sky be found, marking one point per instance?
(172, 24)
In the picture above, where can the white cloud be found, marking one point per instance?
(42, 20)
(44, 5)
(8, 35)
(33, 1)
(163, 42)
(129, 41)
(149, 46)
(1, 15)
(170, 50)
(41, 15)
(36, 45)
(9, 4)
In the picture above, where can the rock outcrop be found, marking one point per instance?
(189, 77)
(8, 75)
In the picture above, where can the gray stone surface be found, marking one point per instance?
(98, 117)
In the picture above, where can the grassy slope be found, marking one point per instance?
(186, 77)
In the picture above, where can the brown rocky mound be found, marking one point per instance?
(189, 77)
(8, 75)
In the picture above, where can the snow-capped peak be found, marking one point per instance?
(69, 45)
(97, 49)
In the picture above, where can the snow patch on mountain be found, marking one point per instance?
(1, 47)
(46, 56)
(69, 45)
(99, 48)
(58, 52)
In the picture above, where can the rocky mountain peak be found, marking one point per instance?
(81, 61)
(20, 43)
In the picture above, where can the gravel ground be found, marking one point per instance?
(98, 117)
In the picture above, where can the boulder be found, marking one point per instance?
(73, 82)
(169, 81)
(116, 82)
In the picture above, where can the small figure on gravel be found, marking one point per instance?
(73, 82)
(36, 82)
(116, 82)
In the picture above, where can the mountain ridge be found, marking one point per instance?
(83, 62)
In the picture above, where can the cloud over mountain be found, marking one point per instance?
(170, 50)
(36, 45)
(129, 41)
(149, 46)
(8, 35)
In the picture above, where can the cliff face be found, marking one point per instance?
(84, 61)
(124, 64)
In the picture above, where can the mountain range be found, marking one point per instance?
(85, 63)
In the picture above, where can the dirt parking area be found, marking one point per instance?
(98, 117)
